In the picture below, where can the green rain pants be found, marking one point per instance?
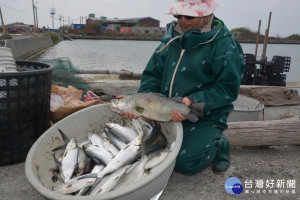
(199, 146)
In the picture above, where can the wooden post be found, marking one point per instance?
(2, 22)
(257, 38)
(264, 133)
(266, 39)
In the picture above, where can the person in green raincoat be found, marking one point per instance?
(198, 59)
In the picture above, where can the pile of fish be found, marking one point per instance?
(109, 159)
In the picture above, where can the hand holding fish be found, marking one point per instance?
(176, 115)
(128, 115)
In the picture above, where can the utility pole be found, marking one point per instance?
(52, 12)
(36, 17)
(2, 22)
(33, 16)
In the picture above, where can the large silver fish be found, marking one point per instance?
(156, 107)
(95, 139)
(109, 182)
(96, 169)
(99, 155)
(124, 157)
(157, 159)
(135, 174)
(125, 133)
(75, 185)
(100, 139)
(84, 162)
(69, 160)
(118, 142)
(109, 146)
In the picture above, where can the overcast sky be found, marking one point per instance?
(235, 13)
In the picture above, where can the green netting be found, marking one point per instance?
(64, 74)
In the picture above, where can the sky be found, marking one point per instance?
(234, 13)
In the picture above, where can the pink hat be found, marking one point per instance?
(195, 8)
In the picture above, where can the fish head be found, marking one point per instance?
(122, 105)
(85, 146)
(111, 125)
(90, 134)
(72, 144)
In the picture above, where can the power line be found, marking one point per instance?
(55, 18)
(43, 11)
(13, 8)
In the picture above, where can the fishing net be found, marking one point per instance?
(64, 74)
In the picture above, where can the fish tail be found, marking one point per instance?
(196, 112)
(63, 135)
(59, 148)
(197, 109)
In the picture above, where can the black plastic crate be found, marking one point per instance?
(277, 80)
(248, 78)
(249, 58)
(281, 63)
(250, 63)
(260, 79)
(24, 109)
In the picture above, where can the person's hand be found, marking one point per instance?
(128, 115)
(120, 96)
(186, 101)
(176, 115)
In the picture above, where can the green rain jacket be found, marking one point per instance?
(207, 66)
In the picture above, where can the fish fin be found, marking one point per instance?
(153, 135)
(56, 161)
(197, 109)
(139, 109)
(63, 135)
(191, 117)
(59, 147)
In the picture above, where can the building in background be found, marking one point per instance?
(139, 25)
(18, 27)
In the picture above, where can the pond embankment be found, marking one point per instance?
(24, 46)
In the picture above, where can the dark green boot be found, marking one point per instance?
(222, 160)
